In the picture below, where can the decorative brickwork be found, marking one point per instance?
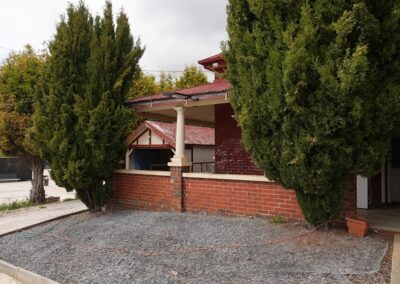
(230, 154)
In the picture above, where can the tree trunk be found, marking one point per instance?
(90, 203)
(91, 198)
(37, 192)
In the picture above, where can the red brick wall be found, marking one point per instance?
(240, 198)
(230, 154)
(350, 199)
(249, 198)
(142, 192)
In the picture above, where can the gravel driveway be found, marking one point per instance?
(150, 247)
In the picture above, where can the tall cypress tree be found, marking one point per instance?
(81, 121)
(316, 90)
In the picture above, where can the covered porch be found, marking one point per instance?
(235, 187)
(378, 197)
(209, 110)
(202, 106)
(152, 145)
(182, 114)
(383, 219)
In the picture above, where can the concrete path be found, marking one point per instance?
(27, 217)
(395, 277)
(4, 278)
(382, 219)
(12, 191)
(11, 274)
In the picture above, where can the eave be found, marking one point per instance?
(193, 101)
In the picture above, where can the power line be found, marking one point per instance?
(3, 47)
(145, 70)
(169, 71)
(160, 71)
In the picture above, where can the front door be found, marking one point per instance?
(393, 172)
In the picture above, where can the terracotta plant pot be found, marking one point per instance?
(356, 226)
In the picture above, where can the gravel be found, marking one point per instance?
(160, 247)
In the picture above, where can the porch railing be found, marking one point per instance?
(159, 167)
(203, 167)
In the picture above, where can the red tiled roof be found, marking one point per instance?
(157, 97)
(220, 85)
(194, 135)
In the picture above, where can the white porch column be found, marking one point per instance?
(127, 158)
(362, 192)
(179, 159)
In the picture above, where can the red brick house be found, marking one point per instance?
(237, 187)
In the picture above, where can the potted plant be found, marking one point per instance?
(357, 226)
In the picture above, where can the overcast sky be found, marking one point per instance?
(175, 32)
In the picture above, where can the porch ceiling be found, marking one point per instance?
(196, 115)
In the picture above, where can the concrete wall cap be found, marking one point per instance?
(146, 173)
(227, 177)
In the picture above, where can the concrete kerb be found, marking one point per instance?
(23, 275)
(395, 276)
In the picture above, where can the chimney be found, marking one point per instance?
(215, 64)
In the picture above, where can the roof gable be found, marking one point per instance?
(194, 135)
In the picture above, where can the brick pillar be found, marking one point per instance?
(350, 200)
(178, 164)
(177, 188)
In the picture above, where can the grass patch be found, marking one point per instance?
(68, 199)
(278, 219)
(27, 203)
(17, 205)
